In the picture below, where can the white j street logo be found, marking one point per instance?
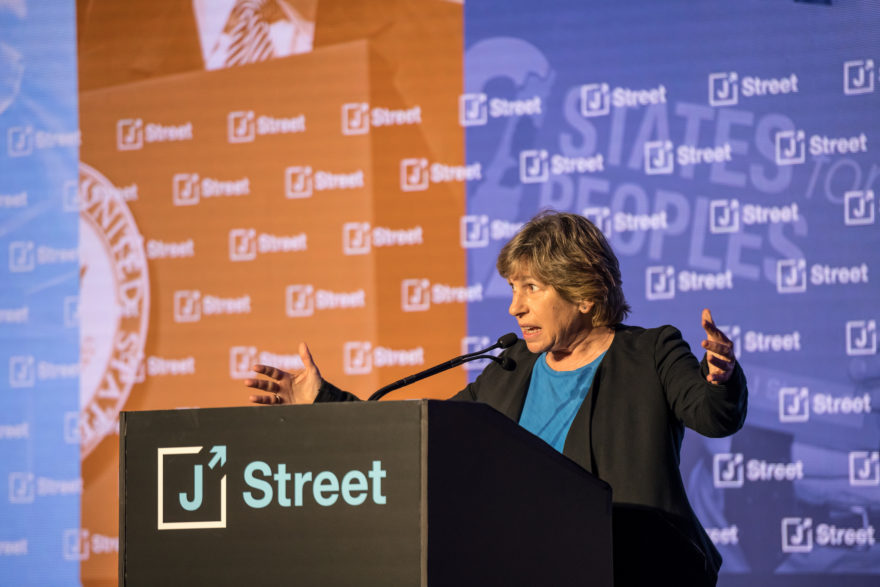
(858, 77)
(794, 404)
(472, 109)
(533, 166)
(859, 207)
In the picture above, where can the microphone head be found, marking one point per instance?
(508, 364)
(507, 340)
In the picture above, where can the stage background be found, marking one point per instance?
(256, 173)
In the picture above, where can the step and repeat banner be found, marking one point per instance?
(292, 174)
(730, 154)
(255, 173)
(39, 289)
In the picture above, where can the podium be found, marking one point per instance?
(389, 493)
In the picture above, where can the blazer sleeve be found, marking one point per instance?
(710, 409)
(330, 393)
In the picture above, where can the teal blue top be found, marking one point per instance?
(554, 398)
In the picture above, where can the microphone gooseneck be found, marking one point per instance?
(505, 363)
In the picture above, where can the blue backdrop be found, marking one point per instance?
(39, 270)
(729, 152)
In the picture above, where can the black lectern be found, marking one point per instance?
(391, 493)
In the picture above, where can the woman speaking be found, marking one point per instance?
(613, 398)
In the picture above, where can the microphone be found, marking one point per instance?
(506, 363)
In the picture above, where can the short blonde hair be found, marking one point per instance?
(569, 253)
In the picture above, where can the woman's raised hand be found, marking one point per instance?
(297, 387)
(719, 351)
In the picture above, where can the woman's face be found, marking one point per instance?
(548, 322)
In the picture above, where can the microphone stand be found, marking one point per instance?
(506, 363)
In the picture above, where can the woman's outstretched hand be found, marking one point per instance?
(298, 387)
(719, 351)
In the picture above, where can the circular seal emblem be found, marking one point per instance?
(114, 305)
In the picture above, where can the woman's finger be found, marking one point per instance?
(720, 362)
(270, 371)
(262, 385)
(719, 347)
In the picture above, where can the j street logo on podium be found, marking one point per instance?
(188, 188)
(858, 76)
(730, 470)
(243, 126)
(476, 230)
(185, 505)
(191, 305)
(358, 238)
(302, 300)
(791, 275)
(725, 88)
(661, 280)
(795, 404)
(245, 243)
(22, 140)
(417, 174)
(536, 165)
(477, 109)
(861, 337)
(597, 99)
(301, 181)
(132, 133)
(418, 294)
(858, 208)
(357, 117)
(243, 358)
(661, 156)
(864, 468)
(800, 536)
(360, 357)
(729, 215)
(791, 146)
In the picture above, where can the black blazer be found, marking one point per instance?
(629, 429)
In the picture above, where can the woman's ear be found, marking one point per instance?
(585, 307)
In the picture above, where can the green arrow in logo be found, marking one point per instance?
(219, 455)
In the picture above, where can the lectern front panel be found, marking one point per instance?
(305, 495)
